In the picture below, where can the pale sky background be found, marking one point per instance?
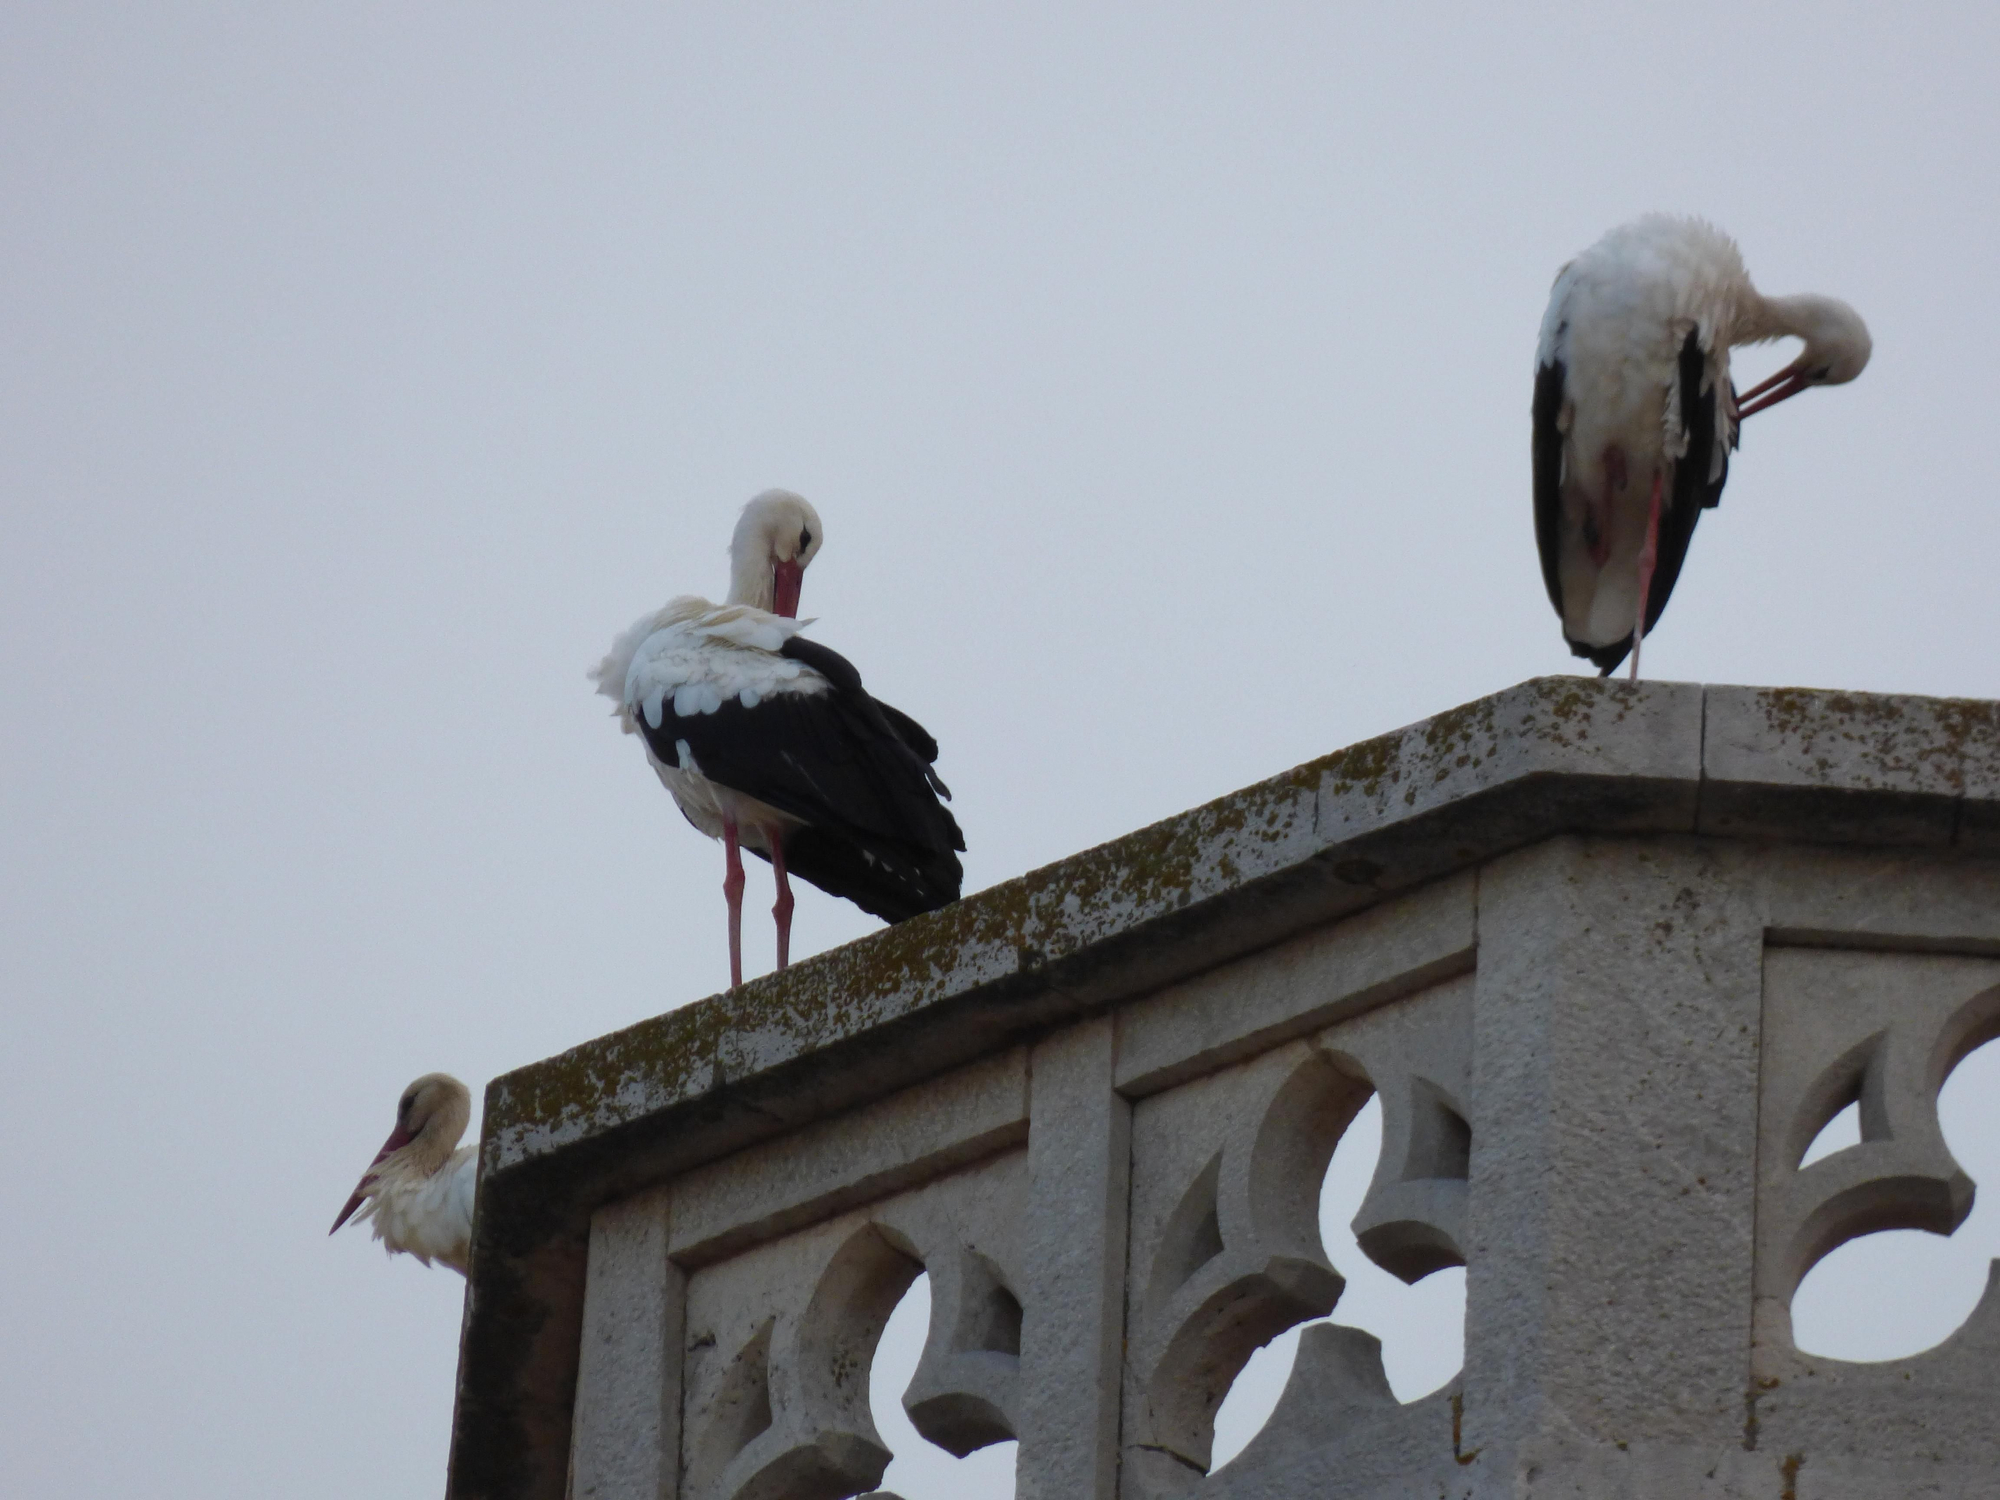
(1162, 375)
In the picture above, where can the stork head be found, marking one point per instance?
(777, 535)
(1837, 349)
(430, 1118)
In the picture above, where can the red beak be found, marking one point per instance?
(1782, 386)
(786, 577)
(398, 1139)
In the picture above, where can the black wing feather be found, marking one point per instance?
(1548, 457)
(910, 732)
(841, 672)
(875, 832)
(1693, 490)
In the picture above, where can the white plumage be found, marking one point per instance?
(694, 656)
(699, 656)
(1635, 417)
(418, 1192)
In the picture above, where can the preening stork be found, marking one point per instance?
(1635, 416)
(418, 1190)
(769, 742)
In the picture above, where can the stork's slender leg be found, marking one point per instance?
(775, 838)
(1649, 554)
(732, 892)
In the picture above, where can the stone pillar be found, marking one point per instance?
(1072, 1330)
(626, 1436)
(1613, 1168)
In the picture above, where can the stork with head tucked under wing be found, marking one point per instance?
(769, 742)
(1635, 416)
(419, 1188)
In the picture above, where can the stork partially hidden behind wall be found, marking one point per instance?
(1635, 416)
(769, 742)
(419, 1188)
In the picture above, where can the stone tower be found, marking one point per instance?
(1611, 955)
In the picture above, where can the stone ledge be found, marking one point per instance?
(1552, 755)
(1846, 767)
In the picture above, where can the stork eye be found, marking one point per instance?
(805, 538)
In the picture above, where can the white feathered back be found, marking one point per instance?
(701, 655)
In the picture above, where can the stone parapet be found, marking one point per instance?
(1610, 954)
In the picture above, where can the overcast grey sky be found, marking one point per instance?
(1161, 374)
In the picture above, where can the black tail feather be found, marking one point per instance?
(1605, 658)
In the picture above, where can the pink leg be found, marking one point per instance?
(1649, 554)
(775, 838)
(732, 891)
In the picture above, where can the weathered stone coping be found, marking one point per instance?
(1550, 756)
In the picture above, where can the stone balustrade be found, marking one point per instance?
(1610, 956)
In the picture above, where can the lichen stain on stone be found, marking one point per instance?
(1364, 767)
(565, 1096)
(1463, 741)
(1577, 705)
(1907, 743)
(1466, 735)
(1053, 911)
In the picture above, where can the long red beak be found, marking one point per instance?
(1780, 387)
(398, 1139)
(786, 577)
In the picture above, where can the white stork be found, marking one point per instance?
(769, 742)
(418, 1190)
(1635, 415)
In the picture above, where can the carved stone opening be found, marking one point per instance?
(1912, 1298)
(1901, 1176)
(963, 1393)
(1878, 1030)
(1409, 1224)
(953, 1402)
(820, 1442)
(1399, 1187)
(1239, 1260)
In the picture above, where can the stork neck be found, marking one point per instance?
(1776, 318)
(1815, 319)
(751, 582)
(1836, 341)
